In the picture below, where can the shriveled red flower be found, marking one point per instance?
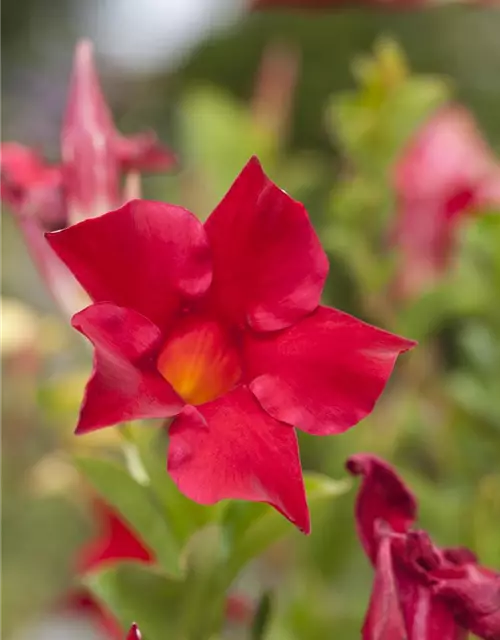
(445, 172)
(114, 542)
(86, 183)
(220, 326)
(420, 591)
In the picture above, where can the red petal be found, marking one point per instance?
(146, 256)
(143, 152)
(31, 187)
(269, 267)
(384, 620)
(231, 449)
(383, 496)
(116, 542)
(134, 633)
(65, 290)
(445, 171)
(474, 601)
(323, 374)
(125, 384)
(426, 616)
(90, 164)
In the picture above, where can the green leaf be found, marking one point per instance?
(221, 135)
(257, 526)
(138, 506)
(262, 617)
(136, 593)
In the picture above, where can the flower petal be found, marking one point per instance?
(115, 542)
(384, 620)
(134, 633)
(125, 384)
(382, 497)
(91, 168)
(147, 256)
(445, 171)
(32, 187)
(323, 374)
(143, 152)
(269, 267)
(425, 615)
(231, 449)
(474, 601)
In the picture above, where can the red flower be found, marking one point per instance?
(219, 325)
(420, 592)
(94, 155)
(134, 633)
(115, 542)
(86, 183)
(445, 172)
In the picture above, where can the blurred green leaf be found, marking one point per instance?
(375, 121)
(262, 617)
(136, 593)
(261, 526)
(137, 505)
(220, 137)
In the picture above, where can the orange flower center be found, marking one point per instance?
(200, 361)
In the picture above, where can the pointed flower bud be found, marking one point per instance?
(90, 165)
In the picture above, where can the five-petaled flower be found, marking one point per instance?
(420, 591)
(219, 326)
(444, 173)
(86, 182)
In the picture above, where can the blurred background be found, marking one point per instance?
(219, 83)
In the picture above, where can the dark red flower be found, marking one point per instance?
(421, 591)
(444, 173)
(86, 182)
(134, 633)
(219, 326)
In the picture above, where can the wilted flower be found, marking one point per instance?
(420, 591)
(445, 172)
(86, 182)
(220, 326)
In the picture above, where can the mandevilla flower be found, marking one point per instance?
(445, 172)
(86, 182)
(420, 591)
(219, 326)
